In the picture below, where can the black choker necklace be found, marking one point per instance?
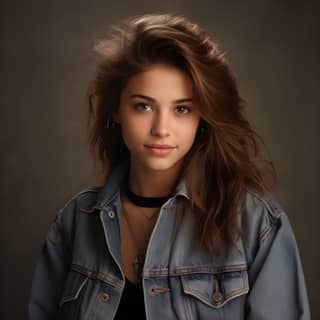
(147, 202)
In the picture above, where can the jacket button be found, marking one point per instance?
(152, 291)
(217, 296)
(111, 214)
(104, 296)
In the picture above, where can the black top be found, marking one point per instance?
(132, 302)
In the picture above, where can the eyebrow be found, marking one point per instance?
(154, 100)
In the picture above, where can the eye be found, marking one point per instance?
(183, 109)
(142, 106)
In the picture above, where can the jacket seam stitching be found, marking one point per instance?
(96, 276)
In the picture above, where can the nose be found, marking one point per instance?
(160, 125)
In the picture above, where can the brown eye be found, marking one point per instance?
(142, 106)
(183, 109)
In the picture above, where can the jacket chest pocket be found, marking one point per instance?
(73, 297)
(209, 294)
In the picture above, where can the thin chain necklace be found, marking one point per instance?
(149, 217)
(139, 259)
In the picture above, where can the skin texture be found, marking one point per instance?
(144, 122)
(161, 121)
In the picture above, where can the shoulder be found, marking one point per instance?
(66, 218)
(84, 200)
(260, 212)
(261, 216)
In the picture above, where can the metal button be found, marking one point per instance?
(217, 296)
(104, 296)
(111, 214)
(152, 291)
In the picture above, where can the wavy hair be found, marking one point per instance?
(224, 161)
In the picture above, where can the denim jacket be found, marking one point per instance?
(79, 274)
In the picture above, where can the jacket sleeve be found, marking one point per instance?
(276, 280)
(49, 274)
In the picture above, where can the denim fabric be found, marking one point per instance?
(79, 273)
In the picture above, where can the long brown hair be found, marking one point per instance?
(223, 163)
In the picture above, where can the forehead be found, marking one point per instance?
(160, 81)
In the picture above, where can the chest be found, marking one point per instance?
(136, 229)
(179, 281)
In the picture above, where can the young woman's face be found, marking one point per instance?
(158, 117)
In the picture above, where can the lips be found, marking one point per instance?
(160, 146)
(159, 149)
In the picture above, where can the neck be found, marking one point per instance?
(152, 183)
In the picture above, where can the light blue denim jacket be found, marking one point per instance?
(79, 274)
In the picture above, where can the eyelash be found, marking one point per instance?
(137, 106)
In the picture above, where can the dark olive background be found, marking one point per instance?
(46, 62)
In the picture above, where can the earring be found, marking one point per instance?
(201, 130)
(112, 125)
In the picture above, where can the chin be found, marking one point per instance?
(161, 164)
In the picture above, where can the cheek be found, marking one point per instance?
(132, 131)
(187, 134)
(192, 129)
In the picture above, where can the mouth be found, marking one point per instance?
(160, 149)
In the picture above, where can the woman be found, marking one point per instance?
(184, 225)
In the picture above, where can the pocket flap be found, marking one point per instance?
(216, 289)
(74, 284)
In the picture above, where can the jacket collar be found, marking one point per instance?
(111, 188)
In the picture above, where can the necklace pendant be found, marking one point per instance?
(138, 265)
